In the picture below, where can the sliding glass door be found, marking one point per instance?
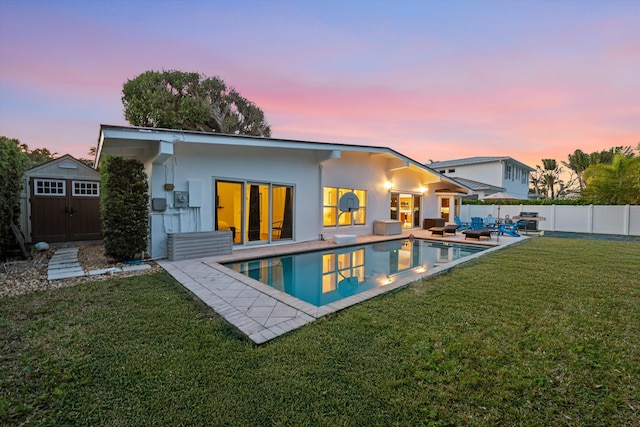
(254, 212)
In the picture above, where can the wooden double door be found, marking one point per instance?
(64, 210)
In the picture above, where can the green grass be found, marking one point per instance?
(544, 333)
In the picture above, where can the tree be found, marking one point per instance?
(13, 164)
(191, 101)
(617, 183)
(36, 156)
(578, 162)
(550, 176)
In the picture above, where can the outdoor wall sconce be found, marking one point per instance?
(388, 185)
(423, 189)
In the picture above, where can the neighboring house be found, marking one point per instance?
(268, 190)
(60, 202)
(491, 174)
(480, 189)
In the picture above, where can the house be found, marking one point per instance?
(60, 202)
(268, 191)
(488, 175)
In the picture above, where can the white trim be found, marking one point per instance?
(91, 188)
(49, 187)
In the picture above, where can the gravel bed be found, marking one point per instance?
(23, 276)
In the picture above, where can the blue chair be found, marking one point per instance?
(511, 229)
(490, 222)
(477, 222)
(461, 225)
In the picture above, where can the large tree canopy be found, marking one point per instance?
(615, 183)
(180, 100)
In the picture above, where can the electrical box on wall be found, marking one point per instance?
(180, 199)
(158, 203)
(195, 193)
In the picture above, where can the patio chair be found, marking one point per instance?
(476, 223)
(461, 225)
(490, 222)
(510, 229)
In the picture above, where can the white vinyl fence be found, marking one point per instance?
(623, 220)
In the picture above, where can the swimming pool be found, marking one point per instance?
(323, 277)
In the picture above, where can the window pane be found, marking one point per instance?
(330, 196)
(362, 197)
(229, 208)
(359, 217)
(329, 216)
(282, 215)
(345, 218)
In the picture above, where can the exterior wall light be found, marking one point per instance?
(388, 185)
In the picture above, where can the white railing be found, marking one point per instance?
(622, 220)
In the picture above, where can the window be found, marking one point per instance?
(49, 187)
(330, 213)
(451, 171)
(86, 188)
(442, 171)
(507, 172)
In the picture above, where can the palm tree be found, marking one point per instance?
(579, 161)
(550, 176)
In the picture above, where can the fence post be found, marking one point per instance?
(590, 219)
(626, 219)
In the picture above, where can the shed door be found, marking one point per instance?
(65, 210)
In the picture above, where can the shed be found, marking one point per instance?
(60, 202)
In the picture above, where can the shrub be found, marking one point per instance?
(124, 207)
(13, 164)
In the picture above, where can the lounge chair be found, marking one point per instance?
(451, 229)
(477, 233)
(511, 229)
(461, 225)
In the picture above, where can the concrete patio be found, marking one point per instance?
(262, 312)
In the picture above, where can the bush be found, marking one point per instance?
(124, 207)
(13, 164)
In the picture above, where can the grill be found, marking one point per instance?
(533, 220)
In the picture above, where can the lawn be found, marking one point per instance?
(543, 333)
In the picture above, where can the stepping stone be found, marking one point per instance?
(136, 267)
(104, 271)
(65, 274)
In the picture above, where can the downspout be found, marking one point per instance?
(321, 182)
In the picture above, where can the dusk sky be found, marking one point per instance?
(435, 80)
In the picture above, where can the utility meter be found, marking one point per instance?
(180, 199)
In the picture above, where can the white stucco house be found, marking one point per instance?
(488, 175)
(269, 191)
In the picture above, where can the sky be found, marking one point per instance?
(433, 79)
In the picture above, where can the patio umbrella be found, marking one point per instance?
(501, 196)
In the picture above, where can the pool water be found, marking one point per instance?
(323, 277)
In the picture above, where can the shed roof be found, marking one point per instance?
(63, 167)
